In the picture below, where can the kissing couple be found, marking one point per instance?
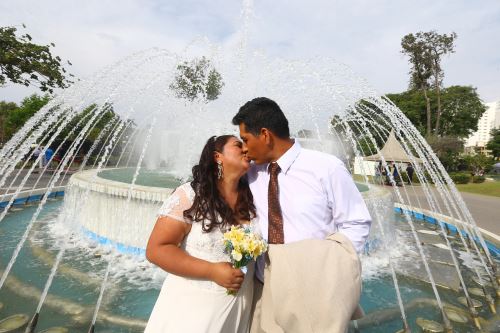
(306, 206)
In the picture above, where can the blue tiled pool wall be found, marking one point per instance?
(494, 250)
(31, 198)
(127, 249)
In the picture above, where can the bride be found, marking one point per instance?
(187, 243)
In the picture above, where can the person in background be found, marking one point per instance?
(409, 172)
(395, 174)
(377, 173)
(48, 156)
(36, 153)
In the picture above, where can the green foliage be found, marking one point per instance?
(378, 126)
(448, 150)
(214, 85)
(478, 163)
(13, 117)
(6, 108)
(427, 176)
(404, 177)
(415, 180)
(366, 146)
(80, 120)
(412, 104)
(26, 63)
(478, 179)
(197, 79)
(105, 121)
(29, 106)
(494, 143)
(461, 109)
(460, 178)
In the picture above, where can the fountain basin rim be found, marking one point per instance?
(492, 240)
(29, 196)
(89, 179)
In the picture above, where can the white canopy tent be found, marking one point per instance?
(393, 152)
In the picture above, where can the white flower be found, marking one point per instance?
(236, 255)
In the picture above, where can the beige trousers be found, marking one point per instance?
(309, 286)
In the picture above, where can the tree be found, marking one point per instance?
(478, 163)
(17, 117)
(24, 62)
(413, 104)
(420, 73)
(447, 149)
(461, 110)
(13, 117)
(425, 51)
(439, 45)
(494, 143)
(6, 109)
(197, 79)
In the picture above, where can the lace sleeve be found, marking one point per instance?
(177, 203)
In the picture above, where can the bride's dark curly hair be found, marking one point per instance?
(209, 206)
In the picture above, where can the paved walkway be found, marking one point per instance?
(31, 181)
(484, 209)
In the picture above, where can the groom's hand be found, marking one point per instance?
(226, 276)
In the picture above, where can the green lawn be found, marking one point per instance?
(487, 188)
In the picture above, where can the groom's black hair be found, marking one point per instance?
(262, 112)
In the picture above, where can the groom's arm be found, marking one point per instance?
(349, 211)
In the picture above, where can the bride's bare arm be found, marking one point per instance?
(163, 250)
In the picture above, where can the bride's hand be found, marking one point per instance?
(226, 276)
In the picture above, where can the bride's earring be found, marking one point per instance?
(219, 170)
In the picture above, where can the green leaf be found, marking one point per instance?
(27, 63)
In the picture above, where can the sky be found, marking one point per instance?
(363, 34)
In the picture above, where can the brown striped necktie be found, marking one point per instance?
(275, 233)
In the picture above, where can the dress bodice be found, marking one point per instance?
(198, 243)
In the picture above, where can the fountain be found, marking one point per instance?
(79, 262)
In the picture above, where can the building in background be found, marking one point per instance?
(489, 120)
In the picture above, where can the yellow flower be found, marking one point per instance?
(257, 251)
(244, 244)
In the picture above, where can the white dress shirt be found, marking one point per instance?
(317, 197)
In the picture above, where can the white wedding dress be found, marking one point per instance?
(191, 305)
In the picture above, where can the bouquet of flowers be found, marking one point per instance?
(242, 245)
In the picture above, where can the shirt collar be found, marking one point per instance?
(286, 160)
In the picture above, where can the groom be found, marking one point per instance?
(314, 219)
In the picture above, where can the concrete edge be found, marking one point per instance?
(89, 179)
(492, 240)
(29, 196)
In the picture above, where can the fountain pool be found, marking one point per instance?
(134, 283)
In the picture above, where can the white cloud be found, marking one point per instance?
(363, 34)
